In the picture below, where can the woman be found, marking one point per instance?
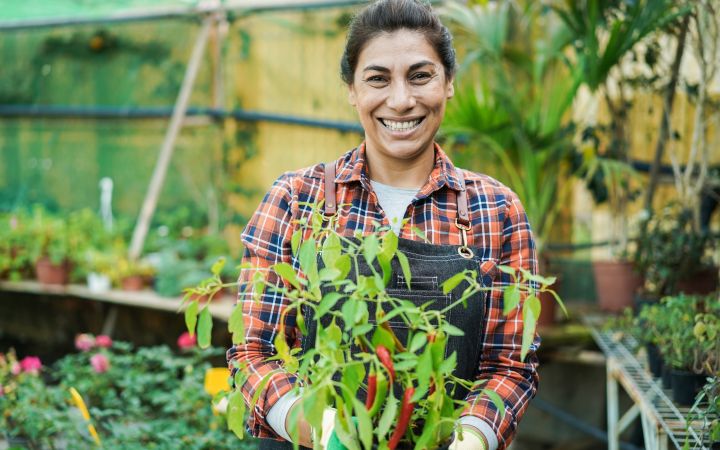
(399, 64)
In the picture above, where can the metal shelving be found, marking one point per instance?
(664, 423)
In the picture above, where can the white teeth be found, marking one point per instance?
(400, 126)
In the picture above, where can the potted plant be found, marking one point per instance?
(706, 410)
(407, 377)
(99, 267)
(132, 275)
(670, 250)
(681, 348)
(15, 245)
(52, 250)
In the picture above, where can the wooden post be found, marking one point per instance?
(176, 121)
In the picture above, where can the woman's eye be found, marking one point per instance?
(375, 79)
(421, 76)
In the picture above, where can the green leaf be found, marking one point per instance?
(204, 328)
(371, 247)
(307, 255)
(452, 330)
(384, 338)
(287, 272)
(327, 303)
(313, 406)
(329, 274)
(389, 245)
(364, 424)
(405, 266)
(295, 241)
(417, 342)
(236, 325)
(452, 282)
(218, 266)
(496, 400)
(386, 266)
(387, 419)
(423, 372)
(191, 313)
(334, 333)
(343, 264)
(332, 249)
(236, 413)
(508, 270)
(531, 312)
(448, 365)
(419, 233)
(511, 298)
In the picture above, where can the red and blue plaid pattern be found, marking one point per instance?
(500, 232)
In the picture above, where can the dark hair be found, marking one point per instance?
(386, 16)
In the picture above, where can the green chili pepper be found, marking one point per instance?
(381, 382)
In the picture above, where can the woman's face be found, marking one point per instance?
(399, 90)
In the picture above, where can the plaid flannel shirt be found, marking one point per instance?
(499, 226)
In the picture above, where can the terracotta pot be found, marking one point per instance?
(49, 273)
(702, 283)
(133, 283)
(616, 284)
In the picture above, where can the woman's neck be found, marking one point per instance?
(402, 173)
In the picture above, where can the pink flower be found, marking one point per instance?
(100, 363)
(31, 364)
(84, 342)
(103, 341)
(186, 341)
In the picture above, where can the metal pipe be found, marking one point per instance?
(115, 112)
(174, 12)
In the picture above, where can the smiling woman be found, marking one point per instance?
(399, 65)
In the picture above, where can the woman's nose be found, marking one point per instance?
(400, 97)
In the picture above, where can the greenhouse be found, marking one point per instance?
(345, 224)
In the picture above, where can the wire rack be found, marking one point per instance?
(663, 421)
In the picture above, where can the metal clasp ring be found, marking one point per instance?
(465, 252)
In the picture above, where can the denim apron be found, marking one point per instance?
(430, 266)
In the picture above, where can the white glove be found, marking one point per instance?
(471, 440)
(328, 423)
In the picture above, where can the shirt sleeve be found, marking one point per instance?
(267, 241)
(514, 380)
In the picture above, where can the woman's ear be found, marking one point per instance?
(352, 99)
(451, 89)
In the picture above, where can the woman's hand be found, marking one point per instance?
(305, 437)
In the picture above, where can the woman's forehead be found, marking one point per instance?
(398, 49)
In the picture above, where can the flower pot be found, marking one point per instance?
(702, 283)
(49, 273)
(655, 361)
(666, 377)
(133, 283)
(98, 282)
(616, 284)
(685, 386)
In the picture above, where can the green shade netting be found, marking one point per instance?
(19, 11)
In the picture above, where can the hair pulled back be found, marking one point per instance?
(386, 16)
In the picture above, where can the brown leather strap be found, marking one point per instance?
(463, 217)
(330, 200)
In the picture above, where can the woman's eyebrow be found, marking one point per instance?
(415, 66)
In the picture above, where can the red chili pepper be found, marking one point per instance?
(404, 418)
(386, 360)
(372, 389)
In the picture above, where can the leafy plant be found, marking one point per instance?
(706, 410)
(512, 102)
(669, 249)
(352, 343)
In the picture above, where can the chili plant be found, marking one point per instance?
(408, 385)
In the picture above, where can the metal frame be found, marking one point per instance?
(664, 424)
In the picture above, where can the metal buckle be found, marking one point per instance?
(461, 226)
(465, 252)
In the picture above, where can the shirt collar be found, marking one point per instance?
(352, 168)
